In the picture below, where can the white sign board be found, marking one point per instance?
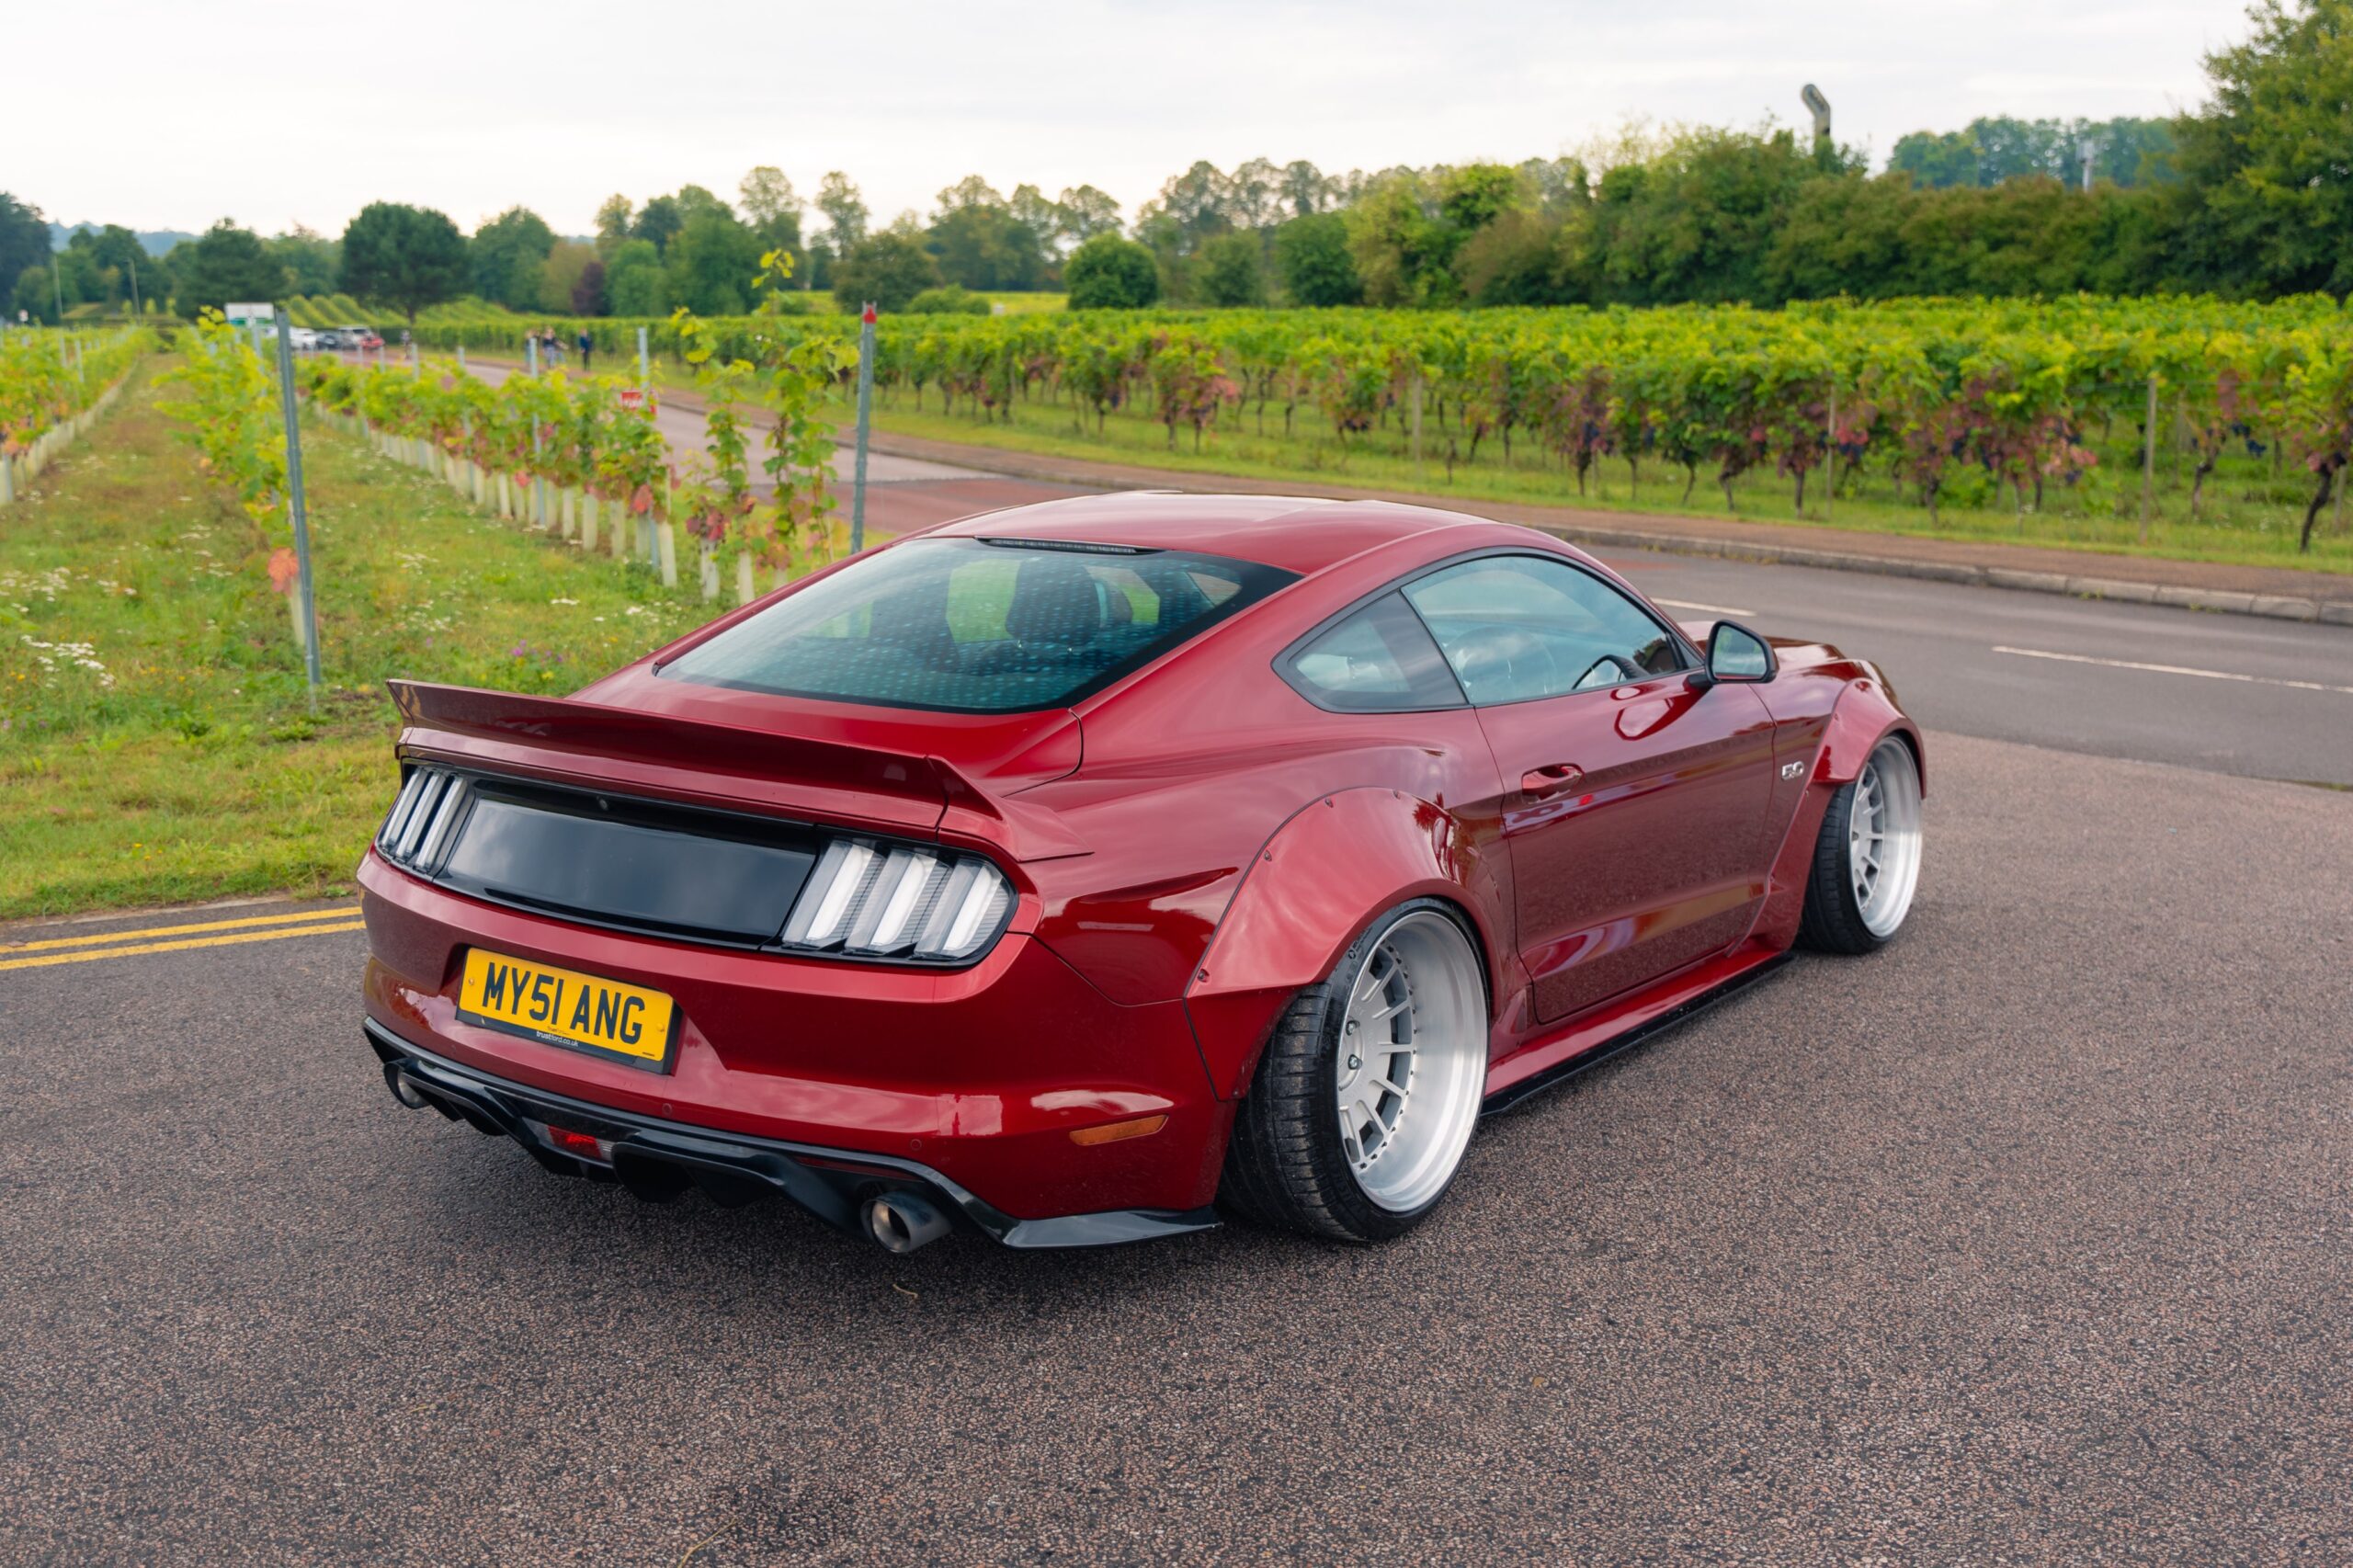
(241, 315)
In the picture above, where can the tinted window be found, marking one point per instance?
(1516, 627)
(977, 626)
(1378, 660)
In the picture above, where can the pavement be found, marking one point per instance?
(2024, 1240)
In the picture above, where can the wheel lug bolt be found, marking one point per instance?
(1354, 1062)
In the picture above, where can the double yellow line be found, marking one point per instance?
(129, 944)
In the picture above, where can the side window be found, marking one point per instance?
(1517, 627)
(1379, 660)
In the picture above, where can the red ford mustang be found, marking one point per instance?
(1084, 868)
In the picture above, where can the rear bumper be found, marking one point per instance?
(989, 1079)
(658, 1160)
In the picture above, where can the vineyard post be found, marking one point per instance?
(1417, 421)
(1830, 456)
(645, 376)
(305, 611)
(865, 420)
(461, 358)
(539, 480)
(2149, 457)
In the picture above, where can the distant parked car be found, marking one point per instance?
(303, 340)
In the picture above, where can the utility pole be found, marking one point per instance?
(865, 420)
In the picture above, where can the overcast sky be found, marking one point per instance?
(171, 116)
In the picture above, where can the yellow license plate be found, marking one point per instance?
(563, 1007)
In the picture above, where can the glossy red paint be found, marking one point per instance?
(1189, 847)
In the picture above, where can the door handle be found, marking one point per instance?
(1553, 775)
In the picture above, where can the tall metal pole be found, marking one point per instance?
(138, 311)
(305, 609)
(865, 422)
(538, 482)
(645, 376)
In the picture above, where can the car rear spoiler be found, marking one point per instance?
(670, 755)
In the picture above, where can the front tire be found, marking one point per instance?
(1867, 861)
(1364, 1098)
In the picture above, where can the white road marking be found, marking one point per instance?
(2176, 670)
(1711, 610)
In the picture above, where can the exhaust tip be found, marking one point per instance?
(902, 1221)
(404, 1090)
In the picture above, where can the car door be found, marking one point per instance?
(1637, 831)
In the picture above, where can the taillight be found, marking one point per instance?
(423, 817)
(876, 900)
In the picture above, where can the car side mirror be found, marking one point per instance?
(1736, 656)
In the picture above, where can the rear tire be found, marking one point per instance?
(1867, 859)
(1368, 1091)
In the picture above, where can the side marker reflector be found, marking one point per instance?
(1118, 1132)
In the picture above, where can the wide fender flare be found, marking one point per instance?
(1864, 715)
(1321, 877)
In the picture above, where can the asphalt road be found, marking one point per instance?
(2024, 1241)
(2234, 693)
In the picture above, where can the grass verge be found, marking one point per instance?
(157, 742)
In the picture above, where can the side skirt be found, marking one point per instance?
(1707, 993)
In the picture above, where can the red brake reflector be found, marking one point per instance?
(579, 1143)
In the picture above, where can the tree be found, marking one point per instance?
(772, 207)
(24, 237)
(657, 220)
(1231, 271)
(312, 262)
(845, 214)
(612, 224)
(407, 257)
(225, 264)
(1043, 217)
(101, 264)
(1199, 203)
(2271, 206)
(505, 257)
(559, 277)
(1087, 212)
(1400, 246)
(1305, 190)
(33, 296)
(634, 283)
(1312, 256)
(711, 262)
(890, 268)
(986, 246)
(970, 191)
(588, 290)
(1109, 273)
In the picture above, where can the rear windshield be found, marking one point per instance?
(978, 626)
